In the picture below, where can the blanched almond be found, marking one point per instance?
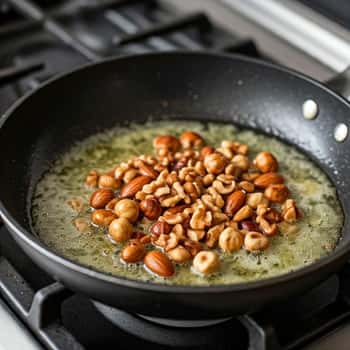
(135, 185)
(267, 179)
(159, 263)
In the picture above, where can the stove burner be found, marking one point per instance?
(178, 333)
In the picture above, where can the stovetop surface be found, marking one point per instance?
(58, 36)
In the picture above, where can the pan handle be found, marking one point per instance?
(341, 83)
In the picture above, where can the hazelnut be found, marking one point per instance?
(206, 151)
(266, 162)
(160, 227)
(191, 139)
(102, 217)
(133, 252)
(276, 193)
(179, 254)
(166, 142)
(120, 229)
(255, 241)
(151, 208)
(240, 161)
(214, 163)
(108, 181)
(230, 240)
(206, 262)
(128, 209)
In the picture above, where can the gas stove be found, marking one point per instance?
(40, 39)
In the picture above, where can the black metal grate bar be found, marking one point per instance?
(198, 20)
(11, 74)
(34, 12)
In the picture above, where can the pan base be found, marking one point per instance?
(178, 333)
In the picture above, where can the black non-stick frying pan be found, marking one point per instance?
(198, 86)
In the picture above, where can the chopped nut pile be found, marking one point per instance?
(196, 200)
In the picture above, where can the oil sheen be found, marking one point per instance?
(313, 237)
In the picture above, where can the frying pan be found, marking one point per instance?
(181, 85)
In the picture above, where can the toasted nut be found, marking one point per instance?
(76, 204)
(92, 179)
(249, 226)
(160, 227)
(145, 239)
(111, 204)
(234, 201)
(214, 163)
(108, 181)
(102, 217)
(272, 215)
(230, 240)
(120, 229)
(101, 197)
(191, 139)
(206, 262)
(130, 174)
(167, 242)
(255, 241)
(151, 208)
(206, 151)
(268, 179)
(159, 263)
(179, 254)
(223, 188)
(135, 185)
(247, 186)
(244, 213)
(177, 209)
(81, 224)
(268, 228)
(128, 209)
(255, 199)
(133, 252)
(277, 193)
(266, 162)
(195, 235)
(290, 212)
(200, 219)
(146, 170)
(171, 178)
(213, 235)
(166, 142)
(250, 176)
(193, 247)
(240, 161)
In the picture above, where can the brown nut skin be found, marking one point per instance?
(131, 188)
(267, 179)
(193, 247)
(179, 254)
(100, 198)
(206, 151)
(120, 229)
(133, 252)
(276, 193)
(191, 139)
(147, 170)
(206, 262)
(108, 181)
(166, 142)
(230, 240)
(214, 163)
(255, 241)
(160, 227)
(249, 226)
(266, 162)
(159, 263)
(151, 208)
(92, 179)
(102, 217)
(128, 209)
(234, 202)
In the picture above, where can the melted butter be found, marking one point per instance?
(314, 237)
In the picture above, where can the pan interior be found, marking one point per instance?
(196, 87)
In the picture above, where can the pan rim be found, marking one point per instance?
(341, 253)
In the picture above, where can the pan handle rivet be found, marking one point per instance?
(341, 132)
(310, 109)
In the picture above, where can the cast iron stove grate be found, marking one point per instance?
(39, 39)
